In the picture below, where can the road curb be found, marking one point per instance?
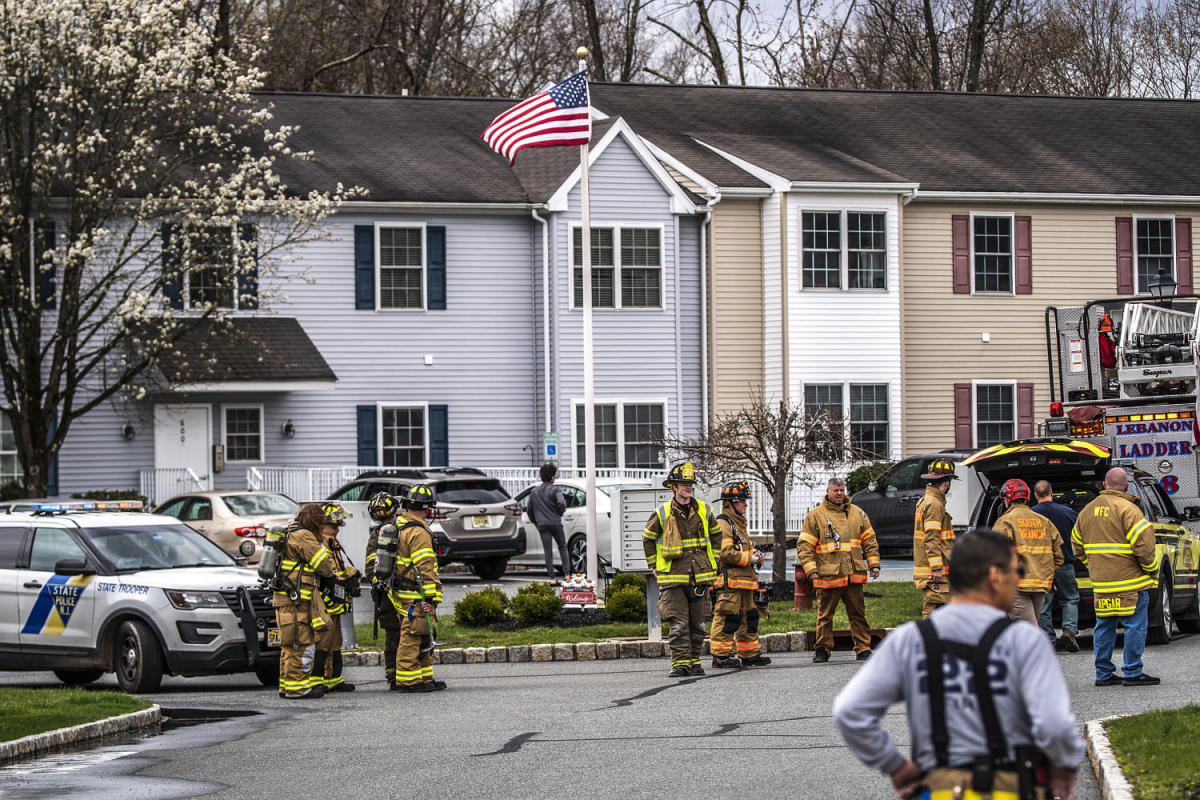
(1113, 785)
(41, 743)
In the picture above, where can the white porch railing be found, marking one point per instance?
(161, 484)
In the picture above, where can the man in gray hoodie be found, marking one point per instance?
(966, 733)
(546, 507)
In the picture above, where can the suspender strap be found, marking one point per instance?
(937, 693)
(997, 744)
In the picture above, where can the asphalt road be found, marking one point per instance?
(614, 729)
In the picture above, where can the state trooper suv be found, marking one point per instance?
(89, 588)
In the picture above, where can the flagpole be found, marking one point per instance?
(589, 388)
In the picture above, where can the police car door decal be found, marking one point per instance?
(55, 605)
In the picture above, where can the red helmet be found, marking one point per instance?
(1015, 489)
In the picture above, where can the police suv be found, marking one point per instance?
(95, 587)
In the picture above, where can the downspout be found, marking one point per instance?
(545, 313)
(679, 344)
(704, 224)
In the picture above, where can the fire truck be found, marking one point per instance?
(1123, 375)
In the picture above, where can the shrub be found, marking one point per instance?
(477, 609)
(11, 490)
(111, 494)
(536, 604)
(861, 478)
(625, 580)
(627, 604)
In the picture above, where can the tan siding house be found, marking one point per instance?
(736, 299)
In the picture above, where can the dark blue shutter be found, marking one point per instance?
(46, 267)
(435, 266)
(368, 452)
(172, 275)
(248, 279)
(52, 472)
(364, 266)
(439, 436)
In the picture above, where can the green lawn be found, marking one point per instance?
(1157, 751)
(897, 603)
(27, 711)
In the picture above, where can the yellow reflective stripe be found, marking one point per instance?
(933, 524)
(424, 552)
(1075, 537)
(873, 561)
(1108, 547)
(371, 556)
(868, 533)
(321, 555)
(809, 566)
(1117, 586)
(808, 537)
(1136, 531)
(1153, 566)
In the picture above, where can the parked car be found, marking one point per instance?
(237, 521)
(891, 499)
(574, 520)
(1076, 469)
(475, 521)
(86, 590)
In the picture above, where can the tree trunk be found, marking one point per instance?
(598, 71)
(935, 55)
(976, 41)
(779, 523)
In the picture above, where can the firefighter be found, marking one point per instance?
(383, 509)
(1114, 540)
(1038, 544)
(335, 600)
(679, 541)
(304, 558)
(735, 613)
(836, 550)
(933, 537)
(415, 592)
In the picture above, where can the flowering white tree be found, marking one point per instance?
(138, 199)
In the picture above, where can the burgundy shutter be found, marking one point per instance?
(1024, 410)
(1024, 261)
(961, 227)
(963, 415)
(1183, 255)
(1124, 255)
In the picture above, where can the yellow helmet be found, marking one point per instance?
(684, 473)
(419, 496)
(940, 470)
(335, 514)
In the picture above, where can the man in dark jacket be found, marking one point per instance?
(546, 507)
(1065, 589)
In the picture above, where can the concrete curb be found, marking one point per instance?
(1113, 785)
(40, 743)
(794, 641)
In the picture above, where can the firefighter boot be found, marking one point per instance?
(820, 656)
(726, 662)
(339, 685)
(756, 661)
(317, 672)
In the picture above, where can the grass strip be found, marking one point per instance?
(888, 605)
(1157, 752)
(24, 712)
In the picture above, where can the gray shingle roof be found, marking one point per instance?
(246, 349)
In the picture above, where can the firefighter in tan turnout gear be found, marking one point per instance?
(1038, 545)
(837, 549)
(933, 537)
(383, 509)
(303, 559)
(335, 596)
(734, 635)
(679, 540)
(415, 592)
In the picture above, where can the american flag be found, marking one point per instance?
(556, 117)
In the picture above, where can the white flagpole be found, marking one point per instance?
(589, 388)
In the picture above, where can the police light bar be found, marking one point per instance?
(89, 505)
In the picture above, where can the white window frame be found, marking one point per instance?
(234, 232)
(1136, 254)
(847, 418)
(620, 403)
(975, 407)
(424, 269)
(379, 409)
(616, 228)
(844, 256)
(1012, 253)
(262, 432)
(19, 476)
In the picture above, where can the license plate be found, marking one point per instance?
(481, 521)
(273, 638)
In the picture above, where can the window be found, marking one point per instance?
(212, 280)
(822, 237)
(401, 267)
(905, 475)
(51, 545)
(993, 246)
(857, 260)
(637, 261)
(869, 419)
(243, 433)
(995, 414)
(403, 437)
(199, 510)
(866, 250)
(1155, 250)
(11, 539)
(10, 465)
(823, 409)
(629, 445)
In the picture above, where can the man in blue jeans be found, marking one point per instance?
(1065, 587)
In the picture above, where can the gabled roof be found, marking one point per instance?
(244, 350)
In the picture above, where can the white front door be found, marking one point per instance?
(182, 442)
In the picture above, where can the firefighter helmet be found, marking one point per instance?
(334, 514)
(735, 492)
(382, 506)
(1015, 489)
(940, 470)
(419, 496)
(684, 474)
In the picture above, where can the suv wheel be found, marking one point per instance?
(577, 551)
(490, 569)
(137, 660)
(1160, 611)
(78, 677)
